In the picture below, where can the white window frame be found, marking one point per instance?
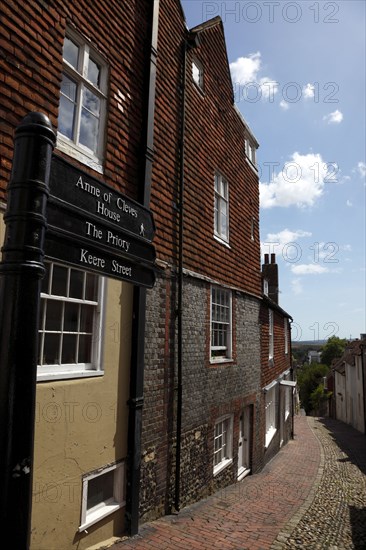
(270, 334)
(229, 324)
(265, 287)
(250, 151)
(77, 370)
(72, 147)
(103, 509)
(225, 445)
(270, 392)
(197, 74)
(221, 197)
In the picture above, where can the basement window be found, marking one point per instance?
(103, 494)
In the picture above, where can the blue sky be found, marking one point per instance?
(298, 71)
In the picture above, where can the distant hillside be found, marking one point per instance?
(314, 344)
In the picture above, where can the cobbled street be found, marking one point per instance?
(337, 516)
(312, 495)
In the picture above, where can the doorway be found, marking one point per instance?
(244, 443)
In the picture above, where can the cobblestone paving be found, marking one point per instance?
(336, 517)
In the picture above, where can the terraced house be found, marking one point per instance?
(147, 400)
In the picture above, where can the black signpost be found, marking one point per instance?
(86, 224)
(21, 271)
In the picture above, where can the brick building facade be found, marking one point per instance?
(276, 376)
(206, 200)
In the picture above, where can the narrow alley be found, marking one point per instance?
(311, 495)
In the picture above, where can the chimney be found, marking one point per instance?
(270, 272)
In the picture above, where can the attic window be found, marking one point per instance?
(250, 151)
(197, 73)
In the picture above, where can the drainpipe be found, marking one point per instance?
(191, 42)
(136, 399)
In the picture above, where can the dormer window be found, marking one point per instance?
(197, 73)
(250, 151)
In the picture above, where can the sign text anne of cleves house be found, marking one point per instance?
(91, 225)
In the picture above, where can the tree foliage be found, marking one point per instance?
(333, 348)
(311, 387)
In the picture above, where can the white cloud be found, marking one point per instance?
(245, 69)
(285, 243)
(308, 91)
(300, 182)
(297, 287)
(308, 269)
(348, 203)
(361, 167)
(286, 236)
(245, 72)
(284, 105)
(334, 118)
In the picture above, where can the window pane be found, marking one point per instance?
(51, 349)
(53, 315)
(85, 347)
(71, 317)
(100, 489)
(46, 279)
(71, 52)
(93, 72)
(68, 88)
(66, 117)
(59, 281)
(76, 284)
(86, 321)
(91, 287)
(69, 349)
(91, 102)
(89, 130)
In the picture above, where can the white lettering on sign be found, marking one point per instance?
(114, 240)
(122, 205)
(88, 188)
(121, 269)
(104, 211)
(93, 231)
(90, 259)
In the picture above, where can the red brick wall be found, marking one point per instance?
(31, 40)
(214, 140)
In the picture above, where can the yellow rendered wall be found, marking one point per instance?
(81, 425)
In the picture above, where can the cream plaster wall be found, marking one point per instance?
(81, 425)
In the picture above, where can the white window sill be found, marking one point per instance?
(222, 466)
(48, 376)
(67, 146)
(269, 436)
(222, 241)
(221, 360)
(100, 513)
